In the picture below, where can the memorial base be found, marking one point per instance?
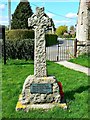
(44, 106)
(39, 90)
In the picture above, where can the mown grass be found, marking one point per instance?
(75, 86)
(0, 88)
(82, 60)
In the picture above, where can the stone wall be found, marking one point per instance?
(89, 24)
(82, 23)
(83, 27)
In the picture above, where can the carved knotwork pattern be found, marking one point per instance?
(40, 22)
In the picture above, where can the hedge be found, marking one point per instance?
(20, 43)
(51, 39)
(20, 49)
(0, 48)
(19, 34)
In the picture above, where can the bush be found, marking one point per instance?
(20, 49)
(51, 39)
(0, 49)
(20, 43)
(19, 34)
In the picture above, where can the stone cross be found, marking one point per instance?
(40, 22)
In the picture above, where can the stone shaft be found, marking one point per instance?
(40, 22)
(40, 53)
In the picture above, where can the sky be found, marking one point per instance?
(63, 12)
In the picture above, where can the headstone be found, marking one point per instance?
(40, 88)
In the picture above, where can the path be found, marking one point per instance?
(76, 67)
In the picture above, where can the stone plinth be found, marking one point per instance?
(28, 97)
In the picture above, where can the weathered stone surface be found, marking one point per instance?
(40, 22)
(42, 106)
(39, 88)
(83, 27)
(47, 106)
(28, 97)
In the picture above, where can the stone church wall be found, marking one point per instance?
(83, 27)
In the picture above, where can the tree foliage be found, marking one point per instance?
(72, 28)
(20, 17)
(61, 30)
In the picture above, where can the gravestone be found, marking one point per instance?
(40, 88)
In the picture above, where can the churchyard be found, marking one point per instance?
(75, 86)
(35, 82)
(82, 60)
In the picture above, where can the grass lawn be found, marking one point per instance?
(75, 86)
(82, 60)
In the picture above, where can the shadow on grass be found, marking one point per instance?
(20, 63)
(70, 94)
(23, 63)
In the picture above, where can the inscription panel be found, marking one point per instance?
(42, 88)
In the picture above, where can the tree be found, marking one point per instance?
(72, 28)
(20, 17)
(61, 30)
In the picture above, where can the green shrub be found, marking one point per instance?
(19, 34)
(51, 39)
(20, 43)
(19, 49)
(0, 49)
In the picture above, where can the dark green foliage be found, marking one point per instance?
(21, 15)
(19, 43)
(19, 34)
(51, 39)
(20, 49)
(0, 49)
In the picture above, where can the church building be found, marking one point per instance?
(83, 22)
